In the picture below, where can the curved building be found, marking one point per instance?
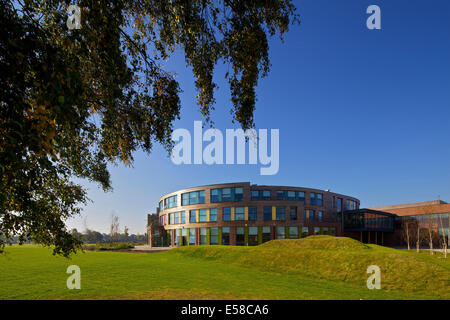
(245, 214)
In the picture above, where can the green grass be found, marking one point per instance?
(318, 267)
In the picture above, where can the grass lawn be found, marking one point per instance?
(318, 267)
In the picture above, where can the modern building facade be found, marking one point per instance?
(245, 214)
(421, 219)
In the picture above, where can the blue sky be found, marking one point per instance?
(361, 112)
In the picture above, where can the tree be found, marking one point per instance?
(406, 231)
(72, 101)
(445, 234)
(428, 215)
(92, 236)
(74, 232)
(125, 233)
(114, 230)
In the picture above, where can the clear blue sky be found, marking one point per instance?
(361, 112)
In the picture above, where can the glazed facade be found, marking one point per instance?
(245, 214)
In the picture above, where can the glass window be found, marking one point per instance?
(202, 235)
(240, 236)
(214, 235)
(182, 217)
(185, 199)
(226, 194)
(202, 215)
(320, 216)
(350, 205)
(316, 199)
(161, 205)
(252, 236)
(239, 214)
(305, 232)
(169, 238)
(225, 235)
(215, 195)
(316, 230)
(281, 195)
(281, 233)
(194, 197)
(293, 213)
(213, 214)
(183, 237)
(170, 202)
(201, 196)
(260, 195)
(266, 234)
(291, 195)
(252, 213)
(191, 236)
(281, 213)
(177, 218)
(293, 232)
(332, 231)
(177, 237)
(226, 214)
(339, 204)
(309, 215)
(192, 216)
(171, 218)
(267, 211)
(238, 194)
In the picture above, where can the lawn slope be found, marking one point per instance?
(317, 267)
(337, 259)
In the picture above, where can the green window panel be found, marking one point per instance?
(246, 236)
(220, 236)
(208, 236)
(260, 237)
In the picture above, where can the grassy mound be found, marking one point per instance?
(335, 259)
(317, 242)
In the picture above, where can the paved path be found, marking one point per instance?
(149, 249)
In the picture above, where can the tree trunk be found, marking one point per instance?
(431, 241)
(445, 250)
(407, 236)
(418, 240)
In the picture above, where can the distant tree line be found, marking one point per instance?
(92, 236)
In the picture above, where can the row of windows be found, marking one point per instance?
(291, 195)
(426, 220)
(195, 197)
(337, 203)
(260, 195)
(269, 214)
(227, 194)
(170, 202)
(254, 236)
(236, 194)
(350, 205)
